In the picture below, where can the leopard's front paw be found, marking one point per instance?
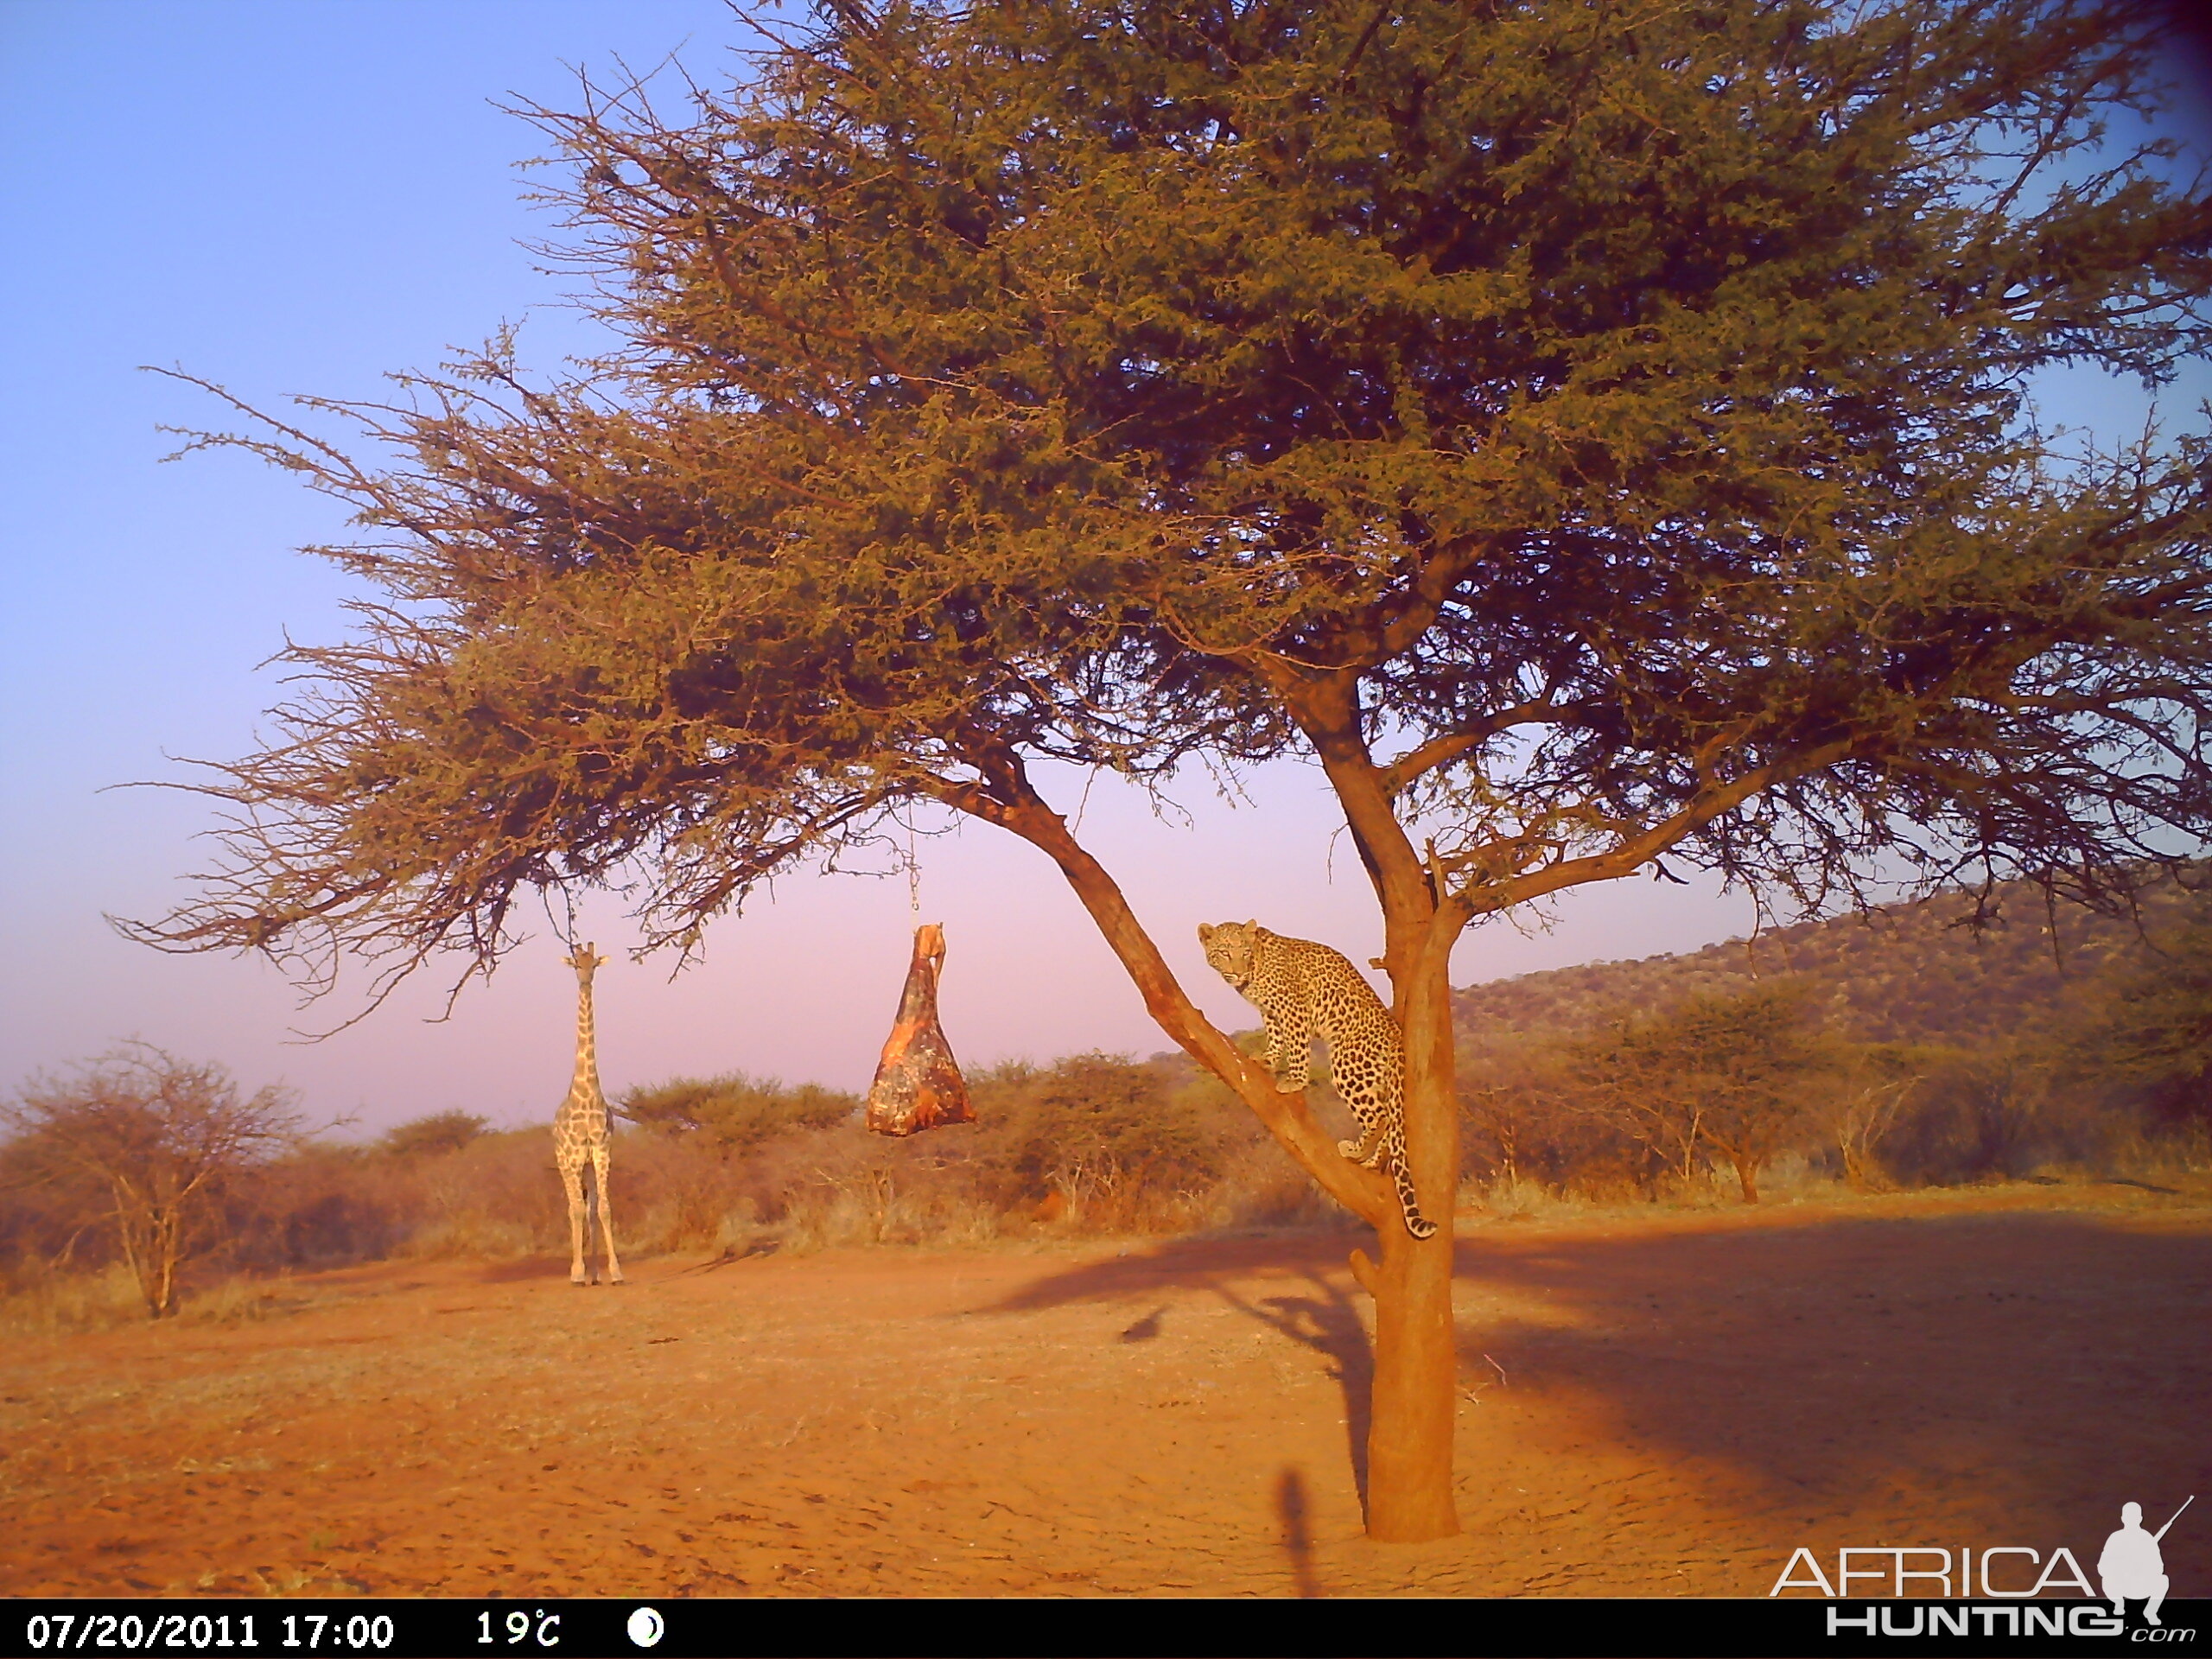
(1349, 1149)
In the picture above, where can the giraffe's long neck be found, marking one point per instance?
(585, 1086)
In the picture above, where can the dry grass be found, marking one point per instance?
(37, 1300)
(50, 1302)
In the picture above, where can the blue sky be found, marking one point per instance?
(299, 197)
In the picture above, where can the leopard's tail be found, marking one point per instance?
(1416, 1223)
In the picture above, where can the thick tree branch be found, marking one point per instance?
(1634, 851)
(1418, 762)
(1013, 803)
(1326, 708)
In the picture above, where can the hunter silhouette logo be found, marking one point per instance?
(2132, 1566)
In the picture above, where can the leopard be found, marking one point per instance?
(1304, 990)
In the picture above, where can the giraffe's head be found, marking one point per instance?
(583, 959)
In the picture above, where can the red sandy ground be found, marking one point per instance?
(1686, 1398)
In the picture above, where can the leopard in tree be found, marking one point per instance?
(1305, 990)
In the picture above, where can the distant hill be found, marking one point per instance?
(1906, 973)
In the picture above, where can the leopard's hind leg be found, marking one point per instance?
(1369, 1147)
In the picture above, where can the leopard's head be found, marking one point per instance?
(1228, 950)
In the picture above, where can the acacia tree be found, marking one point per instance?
(1748, 1057)
(1720, 1072)
(1590, 434)
(153, 1141)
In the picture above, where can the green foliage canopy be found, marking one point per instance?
(1592, 432)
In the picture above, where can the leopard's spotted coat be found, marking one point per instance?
(1305, 990)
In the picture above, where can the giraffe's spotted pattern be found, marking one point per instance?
(1305, 990)
(580, 1131)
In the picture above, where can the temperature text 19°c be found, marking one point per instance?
(542, 1630)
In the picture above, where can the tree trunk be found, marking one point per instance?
(136, 1245)
(1414, 1394)
(1854, 1171)
(1415, 1404)
(168, 1251)
(1747, 1171)
(1412, 1398)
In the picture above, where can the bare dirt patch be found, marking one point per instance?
(1664, 1404)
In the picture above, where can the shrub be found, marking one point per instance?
(149, 1146)
(1111, 1138)
(733, 1110)
(440, 1132)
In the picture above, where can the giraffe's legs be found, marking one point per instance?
(572, 1178)
(605, 1221)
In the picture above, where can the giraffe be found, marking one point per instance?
(580, 1131)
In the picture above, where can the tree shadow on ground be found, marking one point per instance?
(1326, 1320)
(1812, 1355)
(1321, 1314)
(2035, 1369)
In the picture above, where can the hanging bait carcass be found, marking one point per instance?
(917, 1083)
